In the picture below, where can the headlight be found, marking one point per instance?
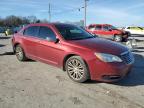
(108, 57)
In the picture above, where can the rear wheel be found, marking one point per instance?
(20, 53)
(77, 69)
(117, 38)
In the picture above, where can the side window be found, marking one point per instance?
(91, 27)
(133, 28)
(106, 28)
(31, 31)
(46, 33)
(128, 28)
(98, 27)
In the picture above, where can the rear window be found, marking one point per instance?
(98, 27)
(91, 27)
(136, 28)
(105, 28)
(31, 31)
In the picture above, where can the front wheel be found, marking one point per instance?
(131, 44)
(20, 53)
(77, 69)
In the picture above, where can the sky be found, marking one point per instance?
(115, 12)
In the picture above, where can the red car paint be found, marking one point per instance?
(56, 53)
(106, 31)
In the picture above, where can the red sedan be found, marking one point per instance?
(74, 50)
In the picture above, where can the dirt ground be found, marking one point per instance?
(33, 84)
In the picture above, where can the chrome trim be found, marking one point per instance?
(125, 52)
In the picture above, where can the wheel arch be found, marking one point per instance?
(70, 55)
(66, 58)
(14, 47)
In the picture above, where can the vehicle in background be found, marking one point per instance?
(16, 29)
(108, 31)
(12, 30)
(133, 30)
(5, 31)
(2, 31)
(9, 31)
(74, 50)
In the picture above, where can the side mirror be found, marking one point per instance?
(52, 39)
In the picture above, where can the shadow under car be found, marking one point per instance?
(136, 76)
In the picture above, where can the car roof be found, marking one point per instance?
(101, 24)
(132, 26)
(49, 24)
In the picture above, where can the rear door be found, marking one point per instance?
(49, 52)
(98, 30)
(30, 40)
(106, 30)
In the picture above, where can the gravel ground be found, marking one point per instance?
(33, 84)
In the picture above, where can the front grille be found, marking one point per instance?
(127, 57)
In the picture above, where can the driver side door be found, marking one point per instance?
(49, 51)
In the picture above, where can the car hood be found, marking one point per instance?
(101, 45)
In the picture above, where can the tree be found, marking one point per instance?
(1, 22)
(25, 20)
(44, 21)
(14, 21)
(32, 19)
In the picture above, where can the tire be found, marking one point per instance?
(131, 44)
(129, 34)
(20, 54)
(77, 69)
(117, 38)
(134, 43)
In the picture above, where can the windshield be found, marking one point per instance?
(140, 28)
(71, 32)
(112, 27)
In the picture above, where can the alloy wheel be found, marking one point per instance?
(19, 53)
(75, 69)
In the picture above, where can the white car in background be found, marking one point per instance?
(136, 34)
(133, 30)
